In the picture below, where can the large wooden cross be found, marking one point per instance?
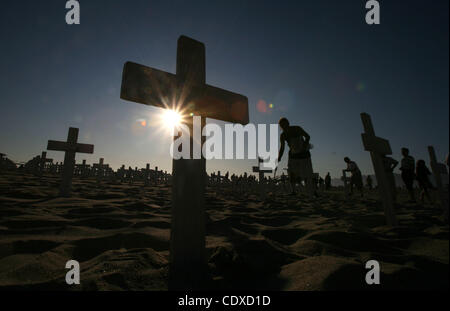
(439, 170)
(378, 148)
(70, 147)
(186, 90)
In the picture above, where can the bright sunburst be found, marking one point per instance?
(171, 118)
(173, 115)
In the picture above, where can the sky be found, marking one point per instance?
(317, 62)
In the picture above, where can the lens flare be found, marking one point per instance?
(176, 111)
(172, 118)
(261, 106)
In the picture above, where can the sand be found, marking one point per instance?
(120, 235)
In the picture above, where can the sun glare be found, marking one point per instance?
(171, 118)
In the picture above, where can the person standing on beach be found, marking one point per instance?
(356, 179)
(422, 173)
(299, 161)
(327, 181)
(407, 168)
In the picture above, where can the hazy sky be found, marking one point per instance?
(317, 62)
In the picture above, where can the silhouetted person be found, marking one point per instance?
(422, 173)
(299, 162)
(327, 181)
(407, 168)
(369, 182)
(356, 179)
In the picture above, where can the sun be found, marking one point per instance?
(171, 118)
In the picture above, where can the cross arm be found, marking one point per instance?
(85, 148)
(216, 103)
(151, 86)
(147, 85)
(64, 146)
(56, 145)
(376, 144)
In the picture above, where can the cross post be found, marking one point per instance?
(378, 148)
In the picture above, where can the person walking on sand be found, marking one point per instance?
(356, 179)
(299, 161)
(407, 168)
(422, 173)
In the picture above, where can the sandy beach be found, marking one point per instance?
(119, 233)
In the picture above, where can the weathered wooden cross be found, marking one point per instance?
(188, 91)
(379, 147)
(70, 147)
(439, 171)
